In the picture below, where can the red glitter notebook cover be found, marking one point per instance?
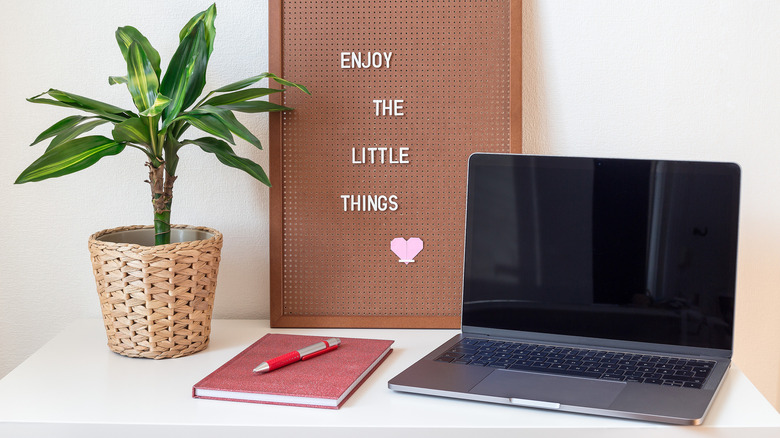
(325, 381)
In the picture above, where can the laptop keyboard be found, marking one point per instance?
(570, 361)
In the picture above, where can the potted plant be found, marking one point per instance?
(156, 283)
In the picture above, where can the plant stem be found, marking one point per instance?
(161, 183)
(162, 227)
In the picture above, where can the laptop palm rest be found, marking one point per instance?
(526, 389)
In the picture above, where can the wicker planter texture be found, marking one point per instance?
(156, 300)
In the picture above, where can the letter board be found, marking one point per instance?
(369, 172)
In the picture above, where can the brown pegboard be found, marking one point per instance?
(456, 66)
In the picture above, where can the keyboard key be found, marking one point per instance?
(613, 377)
(559, 367)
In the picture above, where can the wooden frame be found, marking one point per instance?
(367, 315)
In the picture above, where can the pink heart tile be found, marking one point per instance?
(406, 250)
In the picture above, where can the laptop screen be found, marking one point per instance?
(634, 250)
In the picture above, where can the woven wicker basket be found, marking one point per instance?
(156, 300)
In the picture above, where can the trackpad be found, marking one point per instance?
(553, 389)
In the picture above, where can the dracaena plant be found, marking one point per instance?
(168, 105)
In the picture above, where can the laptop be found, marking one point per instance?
(597, 286)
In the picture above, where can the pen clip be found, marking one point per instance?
(331, 348)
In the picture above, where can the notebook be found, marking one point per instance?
(325, 381)
(598, 286)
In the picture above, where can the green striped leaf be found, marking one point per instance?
(241, 84)
(288, 83)
(113, 80)
(255, 106)
(75, 131)
(126, 36)
(207, 17)
(62, 125)
(227, 156)
(134, 130)
(240, 96)
(70, 100)
(229, 120)
(208, 123)
(142, 81)
(70, 157)
(160, 103)
(186, 70)
(249, 81)
(86, 103)
(198, 79)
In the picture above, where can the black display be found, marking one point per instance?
(636, 250)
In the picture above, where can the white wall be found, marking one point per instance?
(667, 79)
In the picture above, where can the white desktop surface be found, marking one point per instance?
(75, 386)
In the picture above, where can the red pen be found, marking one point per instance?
(302, 354)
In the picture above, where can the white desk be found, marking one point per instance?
(74, 386)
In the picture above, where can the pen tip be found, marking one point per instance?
(262, 368)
